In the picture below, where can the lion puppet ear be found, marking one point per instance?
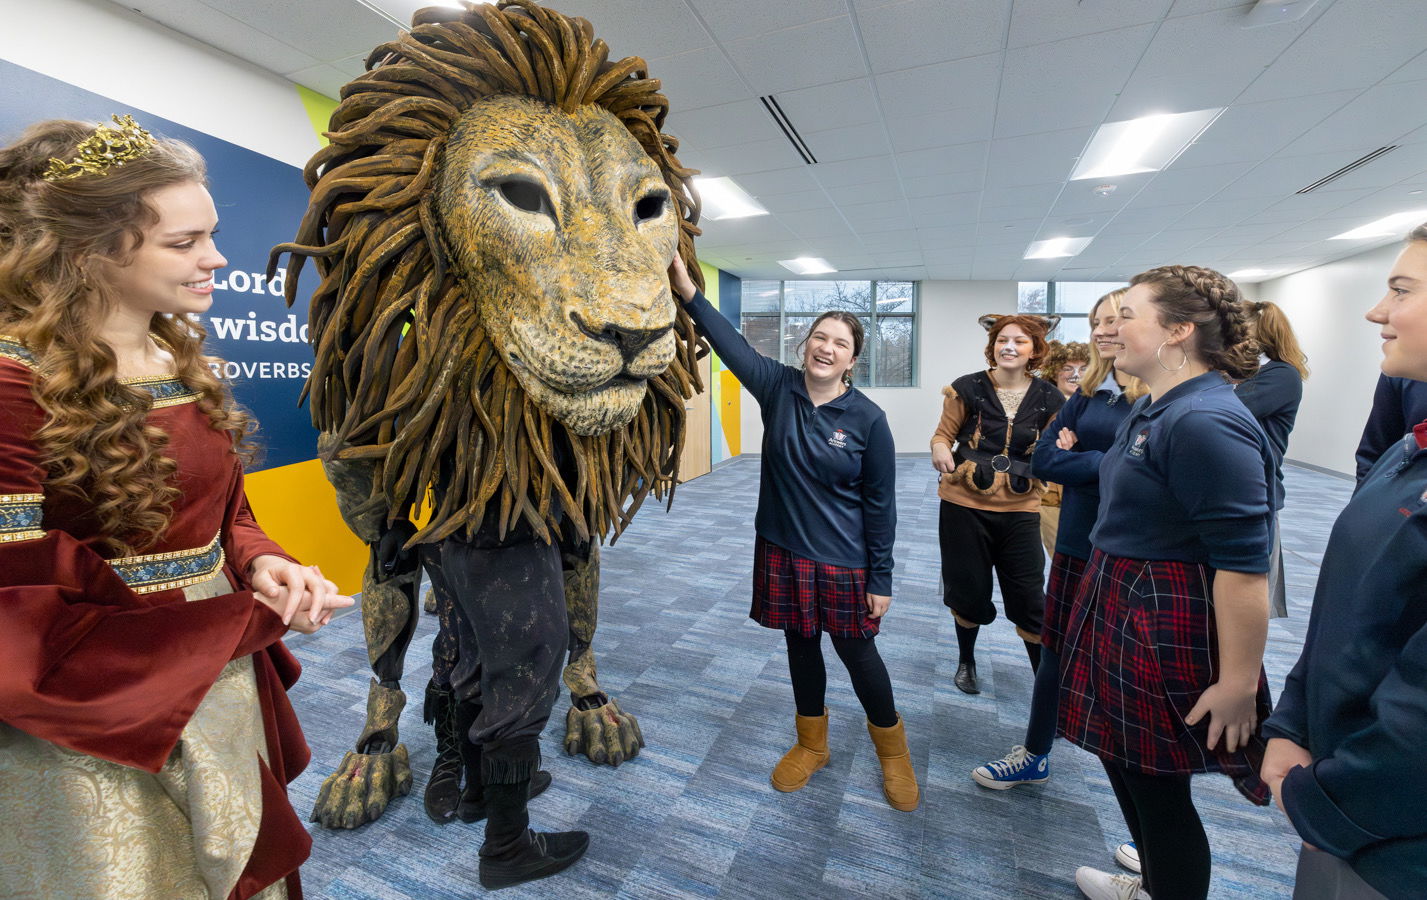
(989, 320)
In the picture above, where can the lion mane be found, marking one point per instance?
(405, 375)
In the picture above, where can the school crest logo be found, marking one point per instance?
(838, 439)
(1137, 448)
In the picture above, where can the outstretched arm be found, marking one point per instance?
(757, 372)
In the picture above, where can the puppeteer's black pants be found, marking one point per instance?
(511, 630)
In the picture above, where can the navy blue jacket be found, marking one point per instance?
(1397, 405)
(1357, 699)
(1187, 479)
(828, 486)
(1273, 395)
(1095, 421)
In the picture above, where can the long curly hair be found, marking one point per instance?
(405, 375)
(1210, 300)
(57, 241)
(1061, 353)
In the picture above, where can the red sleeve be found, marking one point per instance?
(244, 539)
(89, 664)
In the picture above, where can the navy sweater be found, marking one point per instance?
(1397, 404)
(1094, 421)
(1187, 479)
(1357, 699)
(828, 486)
(1273, 395)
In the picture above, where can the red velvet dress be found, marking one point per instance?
(105, 657)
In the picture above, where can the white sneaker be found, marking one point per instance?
(1098, 885)
(1128, 855)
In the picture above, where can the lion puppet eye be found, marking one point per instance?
(526, 195)
(650, 206)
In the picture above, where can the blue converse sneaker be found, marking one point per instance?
(1020, 766)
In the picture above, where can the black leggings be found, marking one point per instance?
(1174, 850)
(864, 666)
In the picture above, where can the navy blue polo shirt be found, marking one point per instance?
(1188, 479)
(1357, 698)
(1273, 395)
(1396, 404)
(828, 486)
(1095, 421)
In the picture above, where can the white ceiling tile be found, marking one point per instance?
(1043, 21)
(638, 27)
(1035, 159)
(1280, 176)
(905, 258)
(950, 183)
(755, 156)
(1254, 131)
(811, 54)
(941, 160)
(722, 126)
(881, 209)
(918, 32)
(1168, 79)
(856, 171)
(227, 33)
(1413, 70)
(1192, 7)
(334, 30)
(865, 192)
(1146, 219)
(1190, 185)
(854, 142)
(734, 19)
(938, 129)
(698, 78)
(794, 179)
(1364, 41)
(877, 227)
(963, 207)
(890, 241)
(1222, 213)
(1370, 121)
(794, 202)
(321, 78)
(1067, 83)
(825, 106)
(968, 85)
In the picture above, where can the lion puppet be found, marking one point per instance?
(495, 336)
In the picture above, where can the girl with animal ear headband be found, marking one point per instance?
(990, 502)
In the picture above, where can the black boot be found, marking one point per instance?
(512, 853)
(443, 790)
(965, 678)
(472, 807)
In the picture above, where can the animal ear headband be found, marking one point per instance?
(1049, 323)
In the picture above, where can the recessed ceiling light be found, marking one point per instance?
(1394, 225)
(721, 198)
(1057, 248)
(807, 265)
(1248, 273)
(1146, 144)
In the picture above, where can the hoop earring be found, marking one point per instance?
(1159, 359)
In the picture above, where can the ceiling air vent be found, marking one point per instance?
(789, 131)
(1355, 164)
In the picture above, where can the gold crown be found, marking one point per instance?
(107, 147)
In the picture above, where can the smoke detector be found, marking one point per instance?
(1103, 190)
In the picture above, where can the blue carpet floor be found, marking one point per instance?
(694, 816)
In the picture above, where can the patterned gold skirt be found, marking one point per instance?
(83, 828)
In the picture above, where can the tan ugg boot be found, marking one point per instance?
(807, 756)
(899, 782)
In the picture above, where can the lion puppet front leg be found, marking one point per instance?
(594, 725)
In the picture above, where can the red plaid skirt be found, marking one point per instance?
(807, 598)
(1065, 572)
(1139, 649)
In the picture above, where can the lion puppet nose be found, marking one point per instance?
(629, 340)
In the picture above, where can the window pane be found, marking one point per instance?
(762, 333)
(1080, 296)
(760, 296)
(895, 297)
(1030, 297)
(820, 296)
(894, 351)
(1071, 328)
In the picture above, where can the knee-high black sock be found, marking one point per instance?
(1034, 652)
(1045, 704)
(869, 678)
(809, 676)
(966, 642)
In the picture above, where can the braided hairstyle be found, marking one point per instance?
(1211, 302)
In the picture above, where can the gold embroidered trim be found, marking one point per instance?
(13, 536)
(154, 572)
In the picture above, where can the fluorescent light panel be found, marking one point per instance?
(1394, 225)
(1146, 144)
(1248, 273)
(807, 265)
(1057, 248)
(722, 199)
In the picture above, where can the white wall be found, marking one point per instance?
(949, 344)
(1326, 305)
(104, 48)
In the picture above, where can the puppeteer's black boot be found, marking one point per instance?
(443, 790)
(512, 853)
(472, 807)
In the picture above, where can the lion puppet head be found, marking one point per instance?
(492, 222)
